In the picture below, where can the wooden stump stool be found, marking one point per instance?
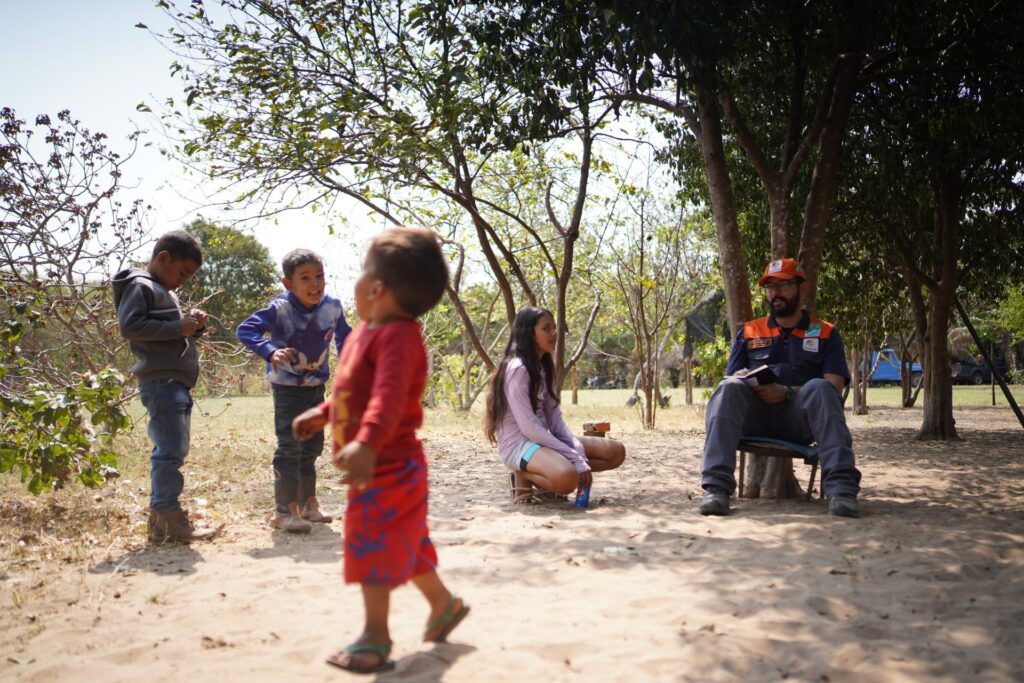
(778, 448)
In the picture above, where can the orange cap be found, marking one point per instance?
(783, 269)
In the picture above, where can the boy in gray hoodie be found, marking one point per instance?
(161, 337)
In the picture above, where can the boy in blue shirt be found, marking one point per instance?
(293, 334)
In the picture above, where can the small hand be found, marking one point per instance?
(358, 459)
(586, 479)
(189, 325)
(199, 316)
(771, 393)
(308, 423)
(284, 357)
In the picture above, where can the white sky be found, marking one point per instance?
(88, 57)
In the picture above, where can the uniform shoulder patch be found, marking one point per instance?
(821, 328)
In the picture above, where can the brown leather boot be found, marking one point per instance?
(290, 521)
(174, 526)
(313, 513)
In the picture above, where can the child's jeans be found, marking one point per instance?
(169, 405)
(295, 461)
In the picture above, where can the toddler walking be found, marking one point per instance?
(374, 410)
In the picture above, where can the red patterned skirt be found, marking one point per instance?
(386, 536)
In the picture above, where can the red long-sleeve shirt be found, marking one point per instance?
(381, 374)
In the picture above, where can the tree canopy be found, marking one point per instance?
(238, 276)
(486, 118)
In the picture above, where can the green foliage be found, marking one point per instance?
(456, 379)
(457, 372)
(384, 103)
(1011, 313)
(289, 93)
(238, 276)
(51, 435)
(64, 229)
(936, 159)
(714, 357)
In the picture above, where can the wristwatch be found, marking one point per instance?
(790, 393)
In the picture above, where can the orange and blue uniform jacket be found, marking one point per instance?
(806, 352)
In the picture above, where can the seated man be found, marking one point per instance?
(805, 403)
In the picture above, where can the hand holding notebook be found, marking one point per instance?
(757, 376)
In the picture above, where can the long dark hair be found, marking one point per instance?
(521, 345)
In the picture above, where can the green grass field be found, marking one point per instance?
(233, 438)
(963, 395)
(244, 415)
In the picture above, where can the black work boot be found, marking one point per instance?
(715, 501)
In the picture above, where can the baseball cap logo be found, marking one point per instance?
(781, 269)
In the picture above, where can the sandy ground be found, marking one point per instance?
(927, 586)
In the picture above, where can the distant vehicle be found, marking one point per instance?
(887, 369)
(974, 370)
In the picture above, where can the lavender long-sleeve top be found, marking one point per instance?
(545, 426)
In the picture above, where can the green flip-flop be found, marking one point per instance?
(382, 651)
(447, 621)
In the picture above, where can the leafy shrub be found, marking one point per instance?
(51, 435)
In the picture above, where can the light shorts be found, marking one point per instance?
(520, 454)
(527, 454)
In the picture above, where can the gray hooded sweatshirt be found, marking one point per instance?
(150, 319)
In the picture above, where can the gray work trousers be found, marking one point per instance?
(816, 413)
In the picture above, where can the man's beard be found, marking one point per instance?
(789, 306)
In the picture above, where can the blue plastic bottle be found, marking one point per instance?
(583, 497)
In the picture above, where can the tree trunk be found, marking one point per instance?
(570, 234)
(688, 379)
(863, 388)
(817, 210)
(778, 207)
(938, 420)
(778, 479)
(910, 390)
(918, 307)
(859, 381)
(649, 402)
(723, 208)
(818, 206)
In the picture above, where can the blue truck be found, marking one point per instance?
(886, 364)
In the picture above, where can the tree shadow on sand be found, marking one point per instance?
(926, 583)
